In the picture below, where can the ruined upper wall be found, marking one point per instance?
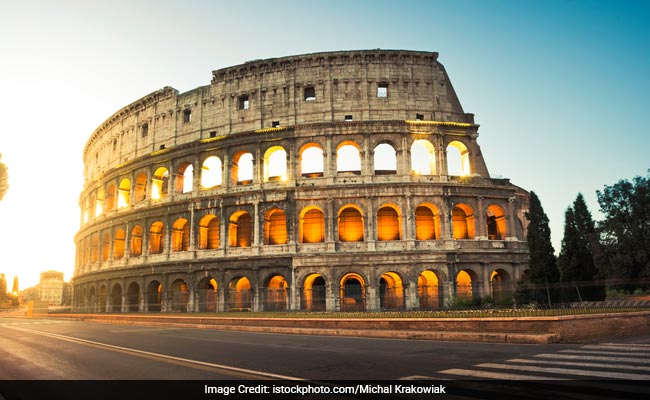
(278, 91)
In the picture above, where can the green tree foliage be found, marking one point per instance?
(542, 267)
(625, 232)
(576, 261)
(4, 179)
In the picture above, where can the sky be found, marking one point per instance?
(560, 89)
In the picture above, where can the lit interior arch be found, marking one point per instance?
(313, 294)
(240, 230)
(457, 159)
(118, 244)
(348, 158)
(160, 183)
(312, 225)
(385, 159)
(275, 227)
(276, 294)
(353, 292)
(423, 157)
(350, 224)
(239, 294)
(136, 241)
(311, 161)
(427, 222)
(99, 204)
(464, 286)
(275, 164)
(388, 224)
(180, 235)
(209, 232)
(110, 198)
(156, 238)
(242, 169)
(495, 220)
(211, 172)
(124, 193)
(106, 246)
(208, 295)
(140, 190)
(429, 290)
(391, 291)
(462, 221)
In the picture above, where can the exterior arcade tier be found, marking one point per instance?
(347, 181)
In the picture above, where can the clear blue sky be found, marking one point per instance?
(561, 89)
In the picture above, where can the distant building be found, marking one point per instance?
(51, 287)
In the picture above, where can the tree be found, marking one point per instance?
(542, 267)
(3, 287)
(4, 179)
(624, 233)
(576, 261)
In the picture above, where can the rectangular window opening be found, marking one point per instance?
(382, 90)
(244, 102)
(310, 93)
(275, 124)
(419, 117)
(348, 118)
(213, 134)
(187, 116)
(145, 130)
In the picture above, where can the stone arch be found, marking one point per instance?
(156, 238)
(311, 161)
(275, 227)
(385, 159)
(275, 164)
(314, 293)
(102, 298)
(389, 223)
(179, 295)
(423, 157)
(135, 247)
(350, 224)
(184, 178)
(462, 222)
(312, 225)
(99, 204)
(109, 203)
(240, 296)
(495, 223)
(208, 295)
(116, 298)
(240, 229)
(430, 291)
(153, 296)
(160, 183)
(466, 286)
(243, 169)
(133, 297)
(140, 189)
(501, 285)
(180, 235)
(275, 296)
(348, 158)
(427, 222)
(93, 300)
(211, 172)
(106, 246)
(124, 193)
(119, 243)
(391, 291)
(209, 232)
(458, 159)
(352, 292)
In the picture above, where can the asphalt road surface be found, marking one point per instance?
(54, 349)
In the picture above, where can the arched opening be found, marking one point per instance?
(92, 300)
(124, 194)
(429, 290)
(311, 161)
(103, 297)
(239, 294)
(110, 198)
(160, 183)
(118, 244)
(353, 292)
(423, 158)
(240, 231)
(495, 220)
(348, 159)
(184, 178)
(275, 227)
(462, 222)
(275, 164)
(312, 225)
(502, 287)
(465, 281)
(180, 235)
(106, 246)
(94, 248)
(457, 159)
(427, 222)
(209, 232)
(211, 172)
(156, 238)
(388, 224)
(140, 190)
(99, 204)
(116, 298)
(179, 296)
(391, 292)
(154, 297)
(133, 297)
(350, 223)
(242, 168)
(275, 298)
(208, 298)
(136, 241)
(313, 293)
(385, 159)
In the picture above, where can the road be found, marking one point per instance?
(64, 349)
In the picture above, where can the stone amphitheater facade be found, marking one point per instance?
(347, 180)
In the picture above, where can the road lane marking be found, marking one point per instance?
(566, 371)
(627, 344)
(607, 353)
(158, 355)
(616, 348)
(594, 358)
(582, 364)
(494, 375)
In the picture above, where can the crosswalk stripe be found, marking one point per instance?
(626, 344)
(594, 358)
(606, 353)
(582, 364)
(493, 375)
(566, 371)
(617, 348)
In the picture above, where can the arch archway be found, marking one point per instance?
(466, 286)
(495, 221)
(240, 295)
(350, 223)
(184, 178)
(391, 292)
(153, 297)
(427, 222)
(462, 222)
(208, 297)
(275, 164)
(389, 225)
(385, 159)
(501, 286)
(209, 232)
(429, 290)
(211, 172)
(313, 293)
(352, 292)
(240, 231)
(348, 158)
(275, 298)
(180, 235)
(275, 227)
(423, 157)
(312, 225)
(116, 298)
(103, 296)
(156, 238)
(133, 297)
(179, 296)
(160, 183)
(311, 161)
(457, 159)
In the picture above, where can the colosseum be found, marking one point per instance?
(334, 181)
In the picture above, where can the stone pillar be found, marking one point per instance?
(481, 223)
(511, 234)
